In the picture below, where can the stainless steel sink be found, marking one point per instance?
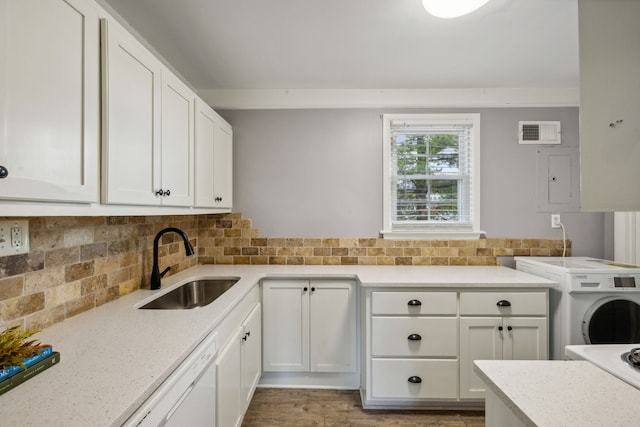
(197, 293)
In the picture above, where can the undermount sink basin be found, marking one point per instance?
(197, 293)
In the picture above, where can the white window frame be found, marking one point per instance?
(433, 231)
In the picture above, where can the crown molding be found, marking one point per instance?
(385, 98)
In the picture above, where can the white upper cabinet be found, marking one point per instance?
(130, 119)
(148, 126)
(177, 142)
(609, 104)
(49, 100)
(214, 158)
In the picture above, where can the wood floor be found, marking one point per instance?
(341, 408)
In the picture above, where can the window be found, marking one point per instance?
(431, 176)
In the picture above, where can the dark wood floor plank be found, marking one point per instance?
(341, 408)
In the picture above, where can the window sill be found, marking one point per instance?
(431, 235)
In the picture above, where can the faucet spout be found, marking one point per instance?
(156, 275)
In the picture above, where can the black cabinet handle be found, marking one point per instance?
(500, 328)
(415, 380)
(4, 172)
(305, 289)
(414, 302)
(313, 289)
(509, 328)
(503, 303)
(414, 337)
(160, 192)
(167, 193)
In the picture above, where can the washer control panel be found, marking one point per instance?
(605, 282)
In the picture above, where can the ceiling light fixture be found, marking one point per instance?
(451, 8)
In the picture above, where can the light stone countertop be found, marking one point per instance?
(114, 356)
(558, 393)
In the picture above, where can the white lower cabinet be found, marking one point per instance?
(309, 326)
(238, 364)
(487, 335)
(229, 377)
(420, 344)
(251, 355)
(412, 345)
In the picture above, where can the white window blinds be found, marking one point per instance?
(431, 171)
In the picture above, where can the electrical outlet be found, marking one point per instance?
(555, 221)
(14, 237)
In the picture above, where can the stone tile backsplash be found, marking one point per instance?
(78, 263)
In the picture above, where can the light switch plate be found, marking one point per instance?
(14, 237)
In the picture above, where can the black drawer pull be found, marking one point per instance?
(414, 302)
(305, 289)
(415, 380)
(503, 303)
(500, 328)
(414, 337)
(4, 172)
(509, 328)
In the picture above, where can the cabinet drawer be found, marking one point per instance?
(431, 336)
(390, 379)
(414, 302)
(486, 303)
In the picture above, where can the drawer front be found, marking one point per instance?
(414, 336)
(514, 303)
(390, 379)
(417, 303)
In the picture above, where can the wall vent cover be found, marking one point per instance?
(539, 133)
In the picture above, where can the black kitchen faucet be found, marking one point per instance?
(155, 272)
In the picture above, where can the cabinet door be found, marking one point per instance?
(214, 157)
(222, 165)
(609, 104)
(229, 408)
(332, 326)
(206, 122)
(285, 325)
(480, 339)
(177, 167)
(526, 340)
(251, 354)
(49, 100)
(131, 119)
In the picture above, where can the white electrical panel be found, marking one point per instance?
(14, 237)
(558, 179)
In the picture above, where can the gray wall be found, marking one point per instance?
(318, 173)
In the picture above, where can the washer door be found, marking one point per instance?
(612, 320)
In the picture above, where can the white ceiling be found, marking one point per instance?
(359, 44)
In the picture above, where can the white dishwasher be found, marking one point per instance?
(188, 396)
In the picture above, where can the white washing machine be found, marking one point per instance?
(597, 302)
